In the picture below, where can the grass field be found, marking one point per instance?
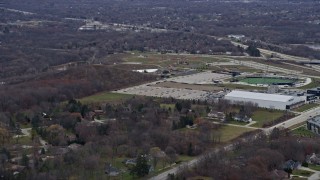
(265, 80)
(300, 172)
(302, 131)
(105, 97)
(314, 167)
(231, 132)
(262, 116)
(305, 107)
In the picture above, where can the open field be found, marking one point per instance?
(105, 97)
(211, 88)
(306, 107)
(171, 59)
(265, 80)
(262, 116)
(231, 132)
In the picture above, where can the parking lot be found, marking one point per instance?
(154, 89)
(200, 78)
(147, 90)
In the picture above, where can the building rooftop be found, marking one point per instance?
(260, 96)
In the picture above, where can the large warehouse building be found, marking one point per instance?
(272, 101)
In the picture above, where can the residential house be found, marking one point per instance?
(111, 171)
(242, 118)
(217, 115)
(313, 159)
(313, 124)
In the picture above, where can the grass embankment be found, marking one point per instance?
(263, 116)
(105, 97)
(306, 107)
(302, 131)
(315, 83)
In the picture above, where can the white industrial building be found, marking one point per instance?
(272, 101)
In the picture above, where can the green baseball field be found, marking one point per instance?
(266, 80)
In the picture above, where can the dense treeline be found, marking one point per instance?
(46, 38)
(142, 126)
(54, 87)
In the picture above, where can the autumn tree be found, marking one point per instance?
(141, 168)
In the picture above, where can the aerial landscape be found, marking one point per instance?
(160, 89)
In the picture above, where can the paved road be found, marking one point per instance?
(269, 52)
(291, 122)
(314, 176)
(296, 120)
(164, 175)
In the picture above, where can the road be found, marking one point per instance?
(314, 176)
(269, 52)
(291, 122)
(296, 120)
(164, 175)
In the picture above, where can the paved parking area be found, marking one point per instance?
(147, 90)
(154, 90)
(200, 78)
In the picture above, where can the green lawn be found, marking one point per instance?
(300, 172)
(306, 107)
(167, 106)
(105, 97)
(265, 80)
(262, 116)
(314, 167)
(302, 131)
(231, 132)
(238, 123)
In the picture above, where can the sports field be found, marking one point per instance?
(265, 80)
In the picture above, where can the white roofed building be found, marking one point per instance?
(272, 101)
